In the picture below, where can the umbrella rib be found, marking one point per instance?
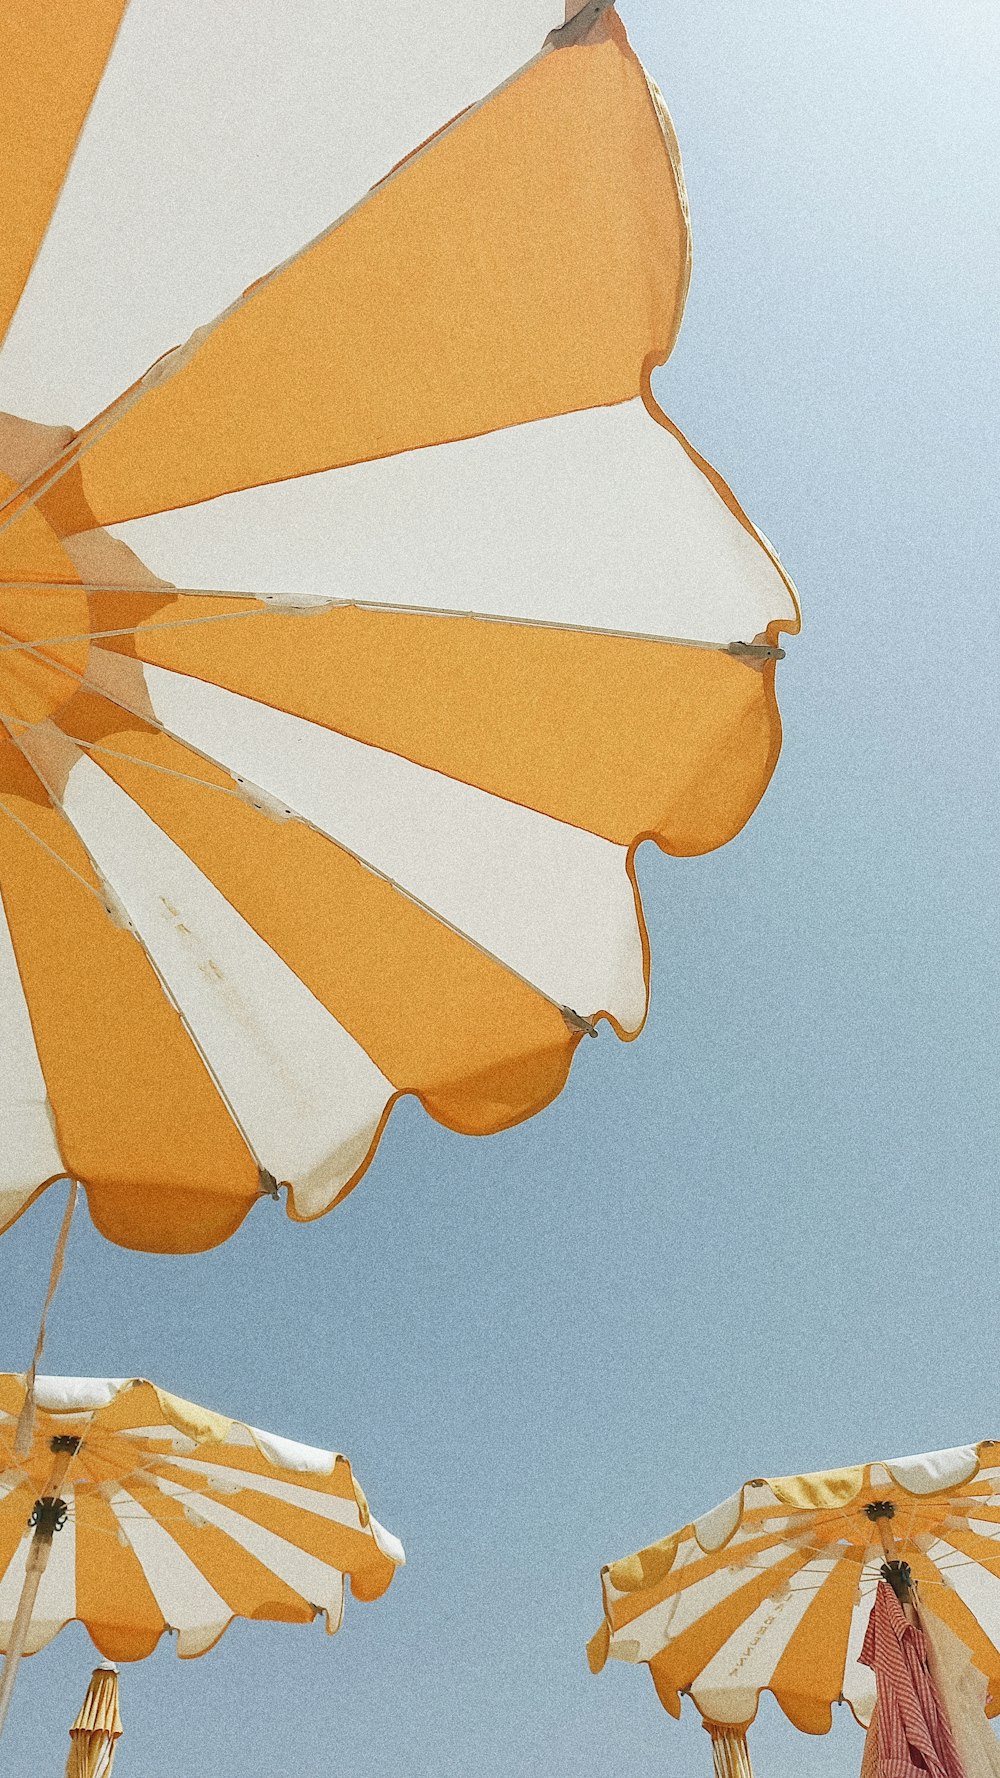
(52, 854)
(178, 623)
(317, 604)
(162, 590)
(132, 758)
(154, 766)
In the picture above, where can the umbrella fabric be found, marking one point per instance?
(178, 1518)
(772, 1590)
(270, 862)
(914, 1735)
(52, 62)
(963, 1690)
(95, 1733)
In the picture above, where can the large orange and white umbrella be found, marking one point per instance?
(136, 1513)
(772, 1591)
(268, 863)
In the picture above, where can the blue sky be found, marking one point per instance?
(763, 1237)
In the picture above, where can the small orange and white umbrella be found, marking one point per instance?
(773, 1591)
(97, 1730)
(136, 1513)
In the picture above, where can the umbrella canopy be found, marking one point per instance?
(270, 862)
(95, 1733)
(773, 1590)
(167, 1516)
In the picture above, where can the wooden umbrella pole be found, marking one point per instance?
(881, 1520)
(887, 1540)
(47, 1519)
(26, 1422)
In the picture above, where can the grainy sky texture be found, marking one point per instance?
(763, 1238)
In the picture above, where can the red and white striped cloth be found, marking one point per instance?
(914, 1738)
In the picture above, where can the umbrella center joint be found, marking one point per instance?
(64, 1444)
(880, 1509)
(48, 1515)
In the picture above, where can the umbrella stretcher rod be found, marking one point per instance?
(48, 1517)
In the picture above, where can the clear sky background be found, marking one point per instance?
(763, 1238)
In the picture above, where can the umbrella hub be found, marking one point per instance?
(48, 1515)
(65, 1444)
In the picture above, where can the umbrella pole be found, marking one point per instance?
(48, 1517)
(880, 1512)
(26, 1422)
(730, 1754)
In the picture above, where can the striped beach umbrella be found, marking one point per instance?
(274, 853)
(136, 1513)
(772, 1591)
